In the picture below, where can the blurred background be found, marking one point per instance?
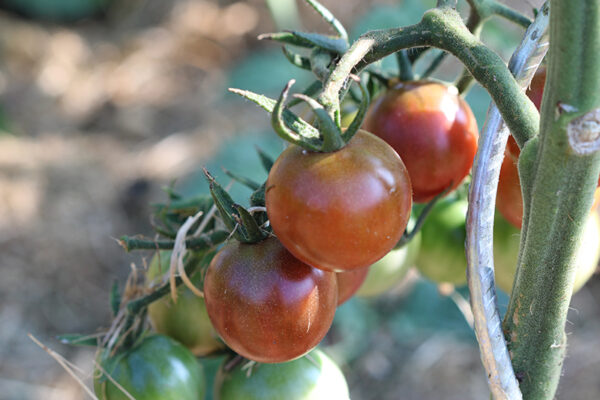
(103, 103)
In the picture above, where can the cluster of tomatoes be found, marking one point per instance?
(335, 223)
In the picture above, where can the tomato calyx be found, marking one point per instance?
(236, 218)
(328, 137)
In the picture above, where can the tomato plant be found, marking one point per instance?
(506, 250)
(442, 256)
(267, 305)
(186, 320)
(349, 282)
(391, 269)
(341, 210)
(432, 129)
(312, 377)
(157, 367)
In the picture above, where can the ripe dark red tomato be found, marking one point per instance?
(349, 282)
(509, 200)
(433, 130)
(267, 305)
(536, 87)
(342, 210)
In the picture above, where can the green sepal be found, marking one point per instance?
(76, 339)
(332, 44)
(280, 127)
(295, 123)
(249, 183)
(320, 60)
(177, 211)
(404, 66)
(257, 198)
(308, 40)
(435, 63)
(360, 115)
(331, 133)
(329, 18)
(224, 203)
(250, 229)
(265, 160)
(296, 59)
(312, 89)
(115, 298)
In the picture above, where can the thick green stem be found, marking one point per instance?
(202, 242)
(444, 29)
(559, 173)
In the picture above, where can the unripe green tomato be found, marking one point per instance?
(391, 269)
(442, 257)
(317, 378)
(156, 368)
(187, 320)
(506, 251)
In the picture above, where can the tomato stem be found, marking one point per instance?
(444, 29)
(404, 66)
(202, 242)
(558, 181)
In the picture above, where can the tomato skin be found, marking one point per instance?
(535, 91)
(391, 269)
(349, 283)
(509, 200)
(342, 210)
(156, 368)
(506, 251)
(185, 321)
(267, 305)
(442, 257)
(302, 379)
(433, 130)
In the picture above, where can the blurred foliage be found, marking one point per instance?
(56, 10)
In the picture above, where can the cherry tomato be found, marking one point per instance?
(506, 251)
(314, 378)
(509, 200)
(156, 368)
(391, 269)
(185, 321)
(442, 257)
(433, 130)
(349, 282)
(342, 210)
(536, 87)
(267, 305)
